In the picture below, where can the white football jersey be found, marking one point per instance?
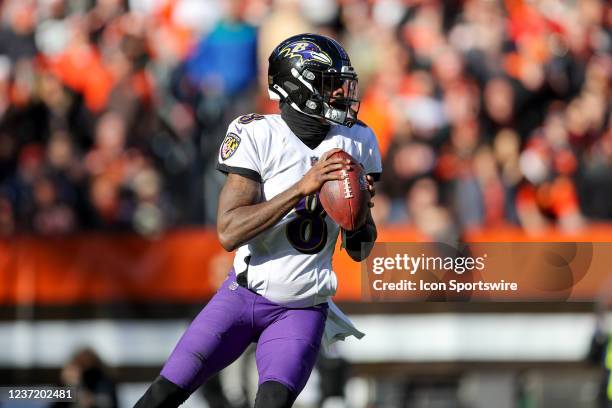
(290, 263)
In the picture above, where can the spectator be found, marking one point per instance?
(111, 112)
(95, 388)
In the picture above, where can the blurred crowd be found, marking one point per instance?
(487, 112)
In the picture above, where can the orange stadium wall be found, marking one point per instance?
(180, 266)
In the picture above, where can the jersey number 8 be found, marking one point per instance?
(308, 231)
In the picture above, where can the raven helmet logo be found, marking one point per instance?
(306, 51)
(230, 145)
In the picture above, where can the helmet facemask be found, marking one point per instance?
(340, 96)
(329, 95)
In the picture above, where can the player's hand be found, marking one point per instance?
(324, 170)
(371, 189)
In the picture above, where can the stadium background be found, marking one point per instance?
(494, 122)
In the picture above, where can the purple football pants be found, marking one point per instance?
(288, 340)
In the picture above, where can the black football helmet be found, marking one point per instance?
(314, 75)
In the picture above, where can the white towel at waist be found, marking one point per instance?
(338, 326)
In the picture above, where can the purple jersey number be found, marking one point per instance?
(307, 233)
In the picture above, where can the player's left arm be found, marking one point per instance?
(359, 243)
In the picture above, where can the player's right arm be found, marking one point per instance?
(242, 214)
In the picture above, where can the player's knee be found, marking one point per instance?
(162, 394)
(272, 394)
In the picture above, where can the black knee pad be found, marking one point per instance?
(162, 394)
(272, 394)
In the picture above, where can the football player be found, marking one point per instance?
(278, 291)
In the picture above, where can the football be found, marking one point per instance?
(346, 200)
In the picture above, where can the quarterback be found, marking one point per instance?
(278, 292)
